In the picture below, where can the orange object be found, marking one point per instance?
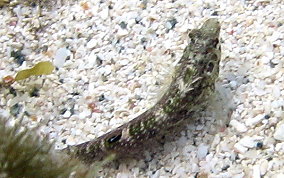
(85, 5)
(93, 106)
(8, 80)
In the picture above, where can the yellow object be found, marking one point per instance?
(41, 68)
(3, 2)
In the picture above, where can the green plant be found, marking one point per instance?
(24, 154)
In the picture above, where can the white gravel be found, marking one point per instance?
(113, 60)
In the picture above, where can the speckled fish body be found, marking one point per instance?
(192, 84)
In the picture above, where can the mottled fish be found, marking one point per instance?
(193, 82)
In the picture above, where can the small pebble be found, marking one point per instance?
(70, 140)
(233, 84)
(15, 109)
(34, 92)
(19, 57)
(266, 116)
(67, 114)
(239, 148)
(202, 151)
(12, 91)
(248, 142)
(279, 132)
(60, 57)
(123, 62)
(123, 25)
(122, 33)
(251, 122)
(259, 145)
(99, 61)
(171, 23)
(240, 127)
(92, 43)
(256, 171)
(104, 14)
(63, 111)
(102, 97)
(263, 167)
(278, 175)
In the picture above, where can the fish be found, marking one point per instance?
(193, 82)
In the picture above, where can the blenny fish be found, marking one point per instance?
(192, 84)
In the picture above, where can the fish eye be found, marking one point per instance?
(114, 138)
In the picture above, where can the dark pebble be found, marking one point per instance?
(72, 110)
(99, 61)
(104, 78)
(44, 48)
(122, 48)
(12, 91)
(173, 23)
(63, 111)
(75, 93)
(102, 97)
(27, 113)
(15, 109)
(33, 4)
(123, 25)
(225, 167)
(144, 2)
(259, 145)
(34, 92)
(63, 141)
(272, 64)
(266, 116)
(19, 57)
(143, 40)
(138, 20)
(215, 13)
(237, 157)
